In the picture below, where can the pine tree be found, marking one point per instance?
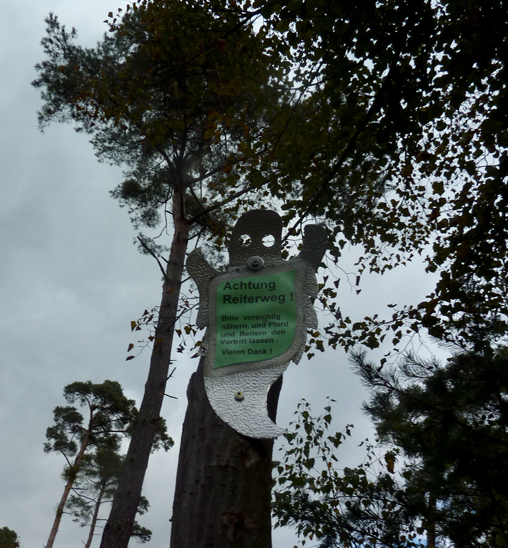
(80, 439)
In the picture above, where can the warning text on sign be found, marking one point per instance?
(256, 318)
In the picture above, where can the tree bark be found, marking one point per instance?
(125, 504)
(223, 485)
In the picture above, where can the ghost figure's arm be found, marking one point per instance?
(315, 242)
(201, 272)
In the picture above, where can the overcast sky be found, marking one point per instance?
(71, 281)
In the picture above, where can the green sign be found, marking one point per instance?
(256, 318)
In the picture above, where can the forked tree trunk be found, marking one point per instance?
(223, 485)
(118, 529)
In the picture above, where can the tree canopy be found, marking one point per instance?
(403, 150)
(445, 424)
(8, 538)
(175, 93)
(451, 422)
(110, 414)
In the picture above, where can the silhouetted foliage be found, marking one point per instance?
(8, 538)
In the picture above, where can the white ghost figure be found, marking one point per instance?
(257, 314)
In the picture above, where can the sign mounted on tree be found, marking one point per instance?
(257, 314)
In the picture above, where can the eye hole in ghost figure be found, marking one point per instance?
(269, 240)
(245, 240)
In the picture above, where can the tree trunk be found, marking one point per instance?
(431, 522)
(223, 485)
(59, 511)
(95, 516)
(68, 486)
(125, 504)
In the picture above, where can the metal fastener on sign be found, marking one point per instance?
(239, 396)
(255, 263)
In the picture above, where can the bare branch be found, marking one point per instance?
(154, 256)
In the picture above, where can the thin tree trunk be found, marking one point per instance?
(223, 485)
(68, 487)
(59, 511)
(125, 504)
(95, 516)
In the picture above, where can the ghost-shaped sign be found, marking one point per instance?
(257, 314)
